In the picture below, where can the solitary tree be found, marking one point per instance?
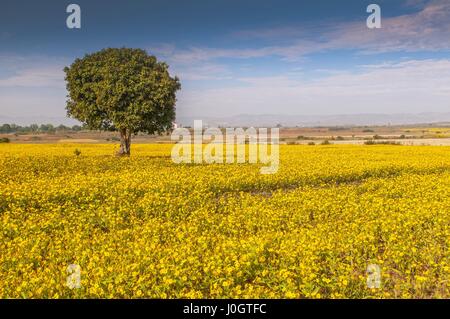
(124, 90)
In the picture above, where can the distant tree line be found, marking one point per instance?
(35, 128)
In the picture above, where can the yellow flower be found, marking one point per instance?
(146, 227)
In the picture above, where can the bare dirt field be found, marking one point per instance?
(405, 135)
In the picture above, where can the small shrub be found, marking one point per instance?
(77, 152)
(372, 142)
(4, 140)
(338, 128)
(326, 142)
(311, 143)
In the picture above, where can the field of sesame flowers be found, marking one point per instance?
(144, 227)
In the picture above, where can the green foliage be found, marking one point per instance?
(33, 128)
(337, 128)
(49, 128)
(5, 128)
(4, 140)
(122, 89)
(372, 142)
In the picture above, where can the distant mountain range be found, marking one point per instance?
(272, 120)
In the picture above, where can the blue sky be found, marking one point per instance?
(235, 57)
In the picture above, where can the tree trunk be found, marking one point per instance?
(125, 142)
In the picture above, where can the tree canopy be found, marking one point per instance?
(125, 90)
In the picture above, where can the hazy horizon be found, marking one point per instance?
(272, 119)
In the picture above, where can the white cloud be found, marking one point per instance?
(32, 86)
(32, 71)
(35, 77)
(426, 30)
(196, 54)
(410, 86)
(204, 71)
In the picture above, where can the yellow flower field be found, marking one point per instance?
(144, 227)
